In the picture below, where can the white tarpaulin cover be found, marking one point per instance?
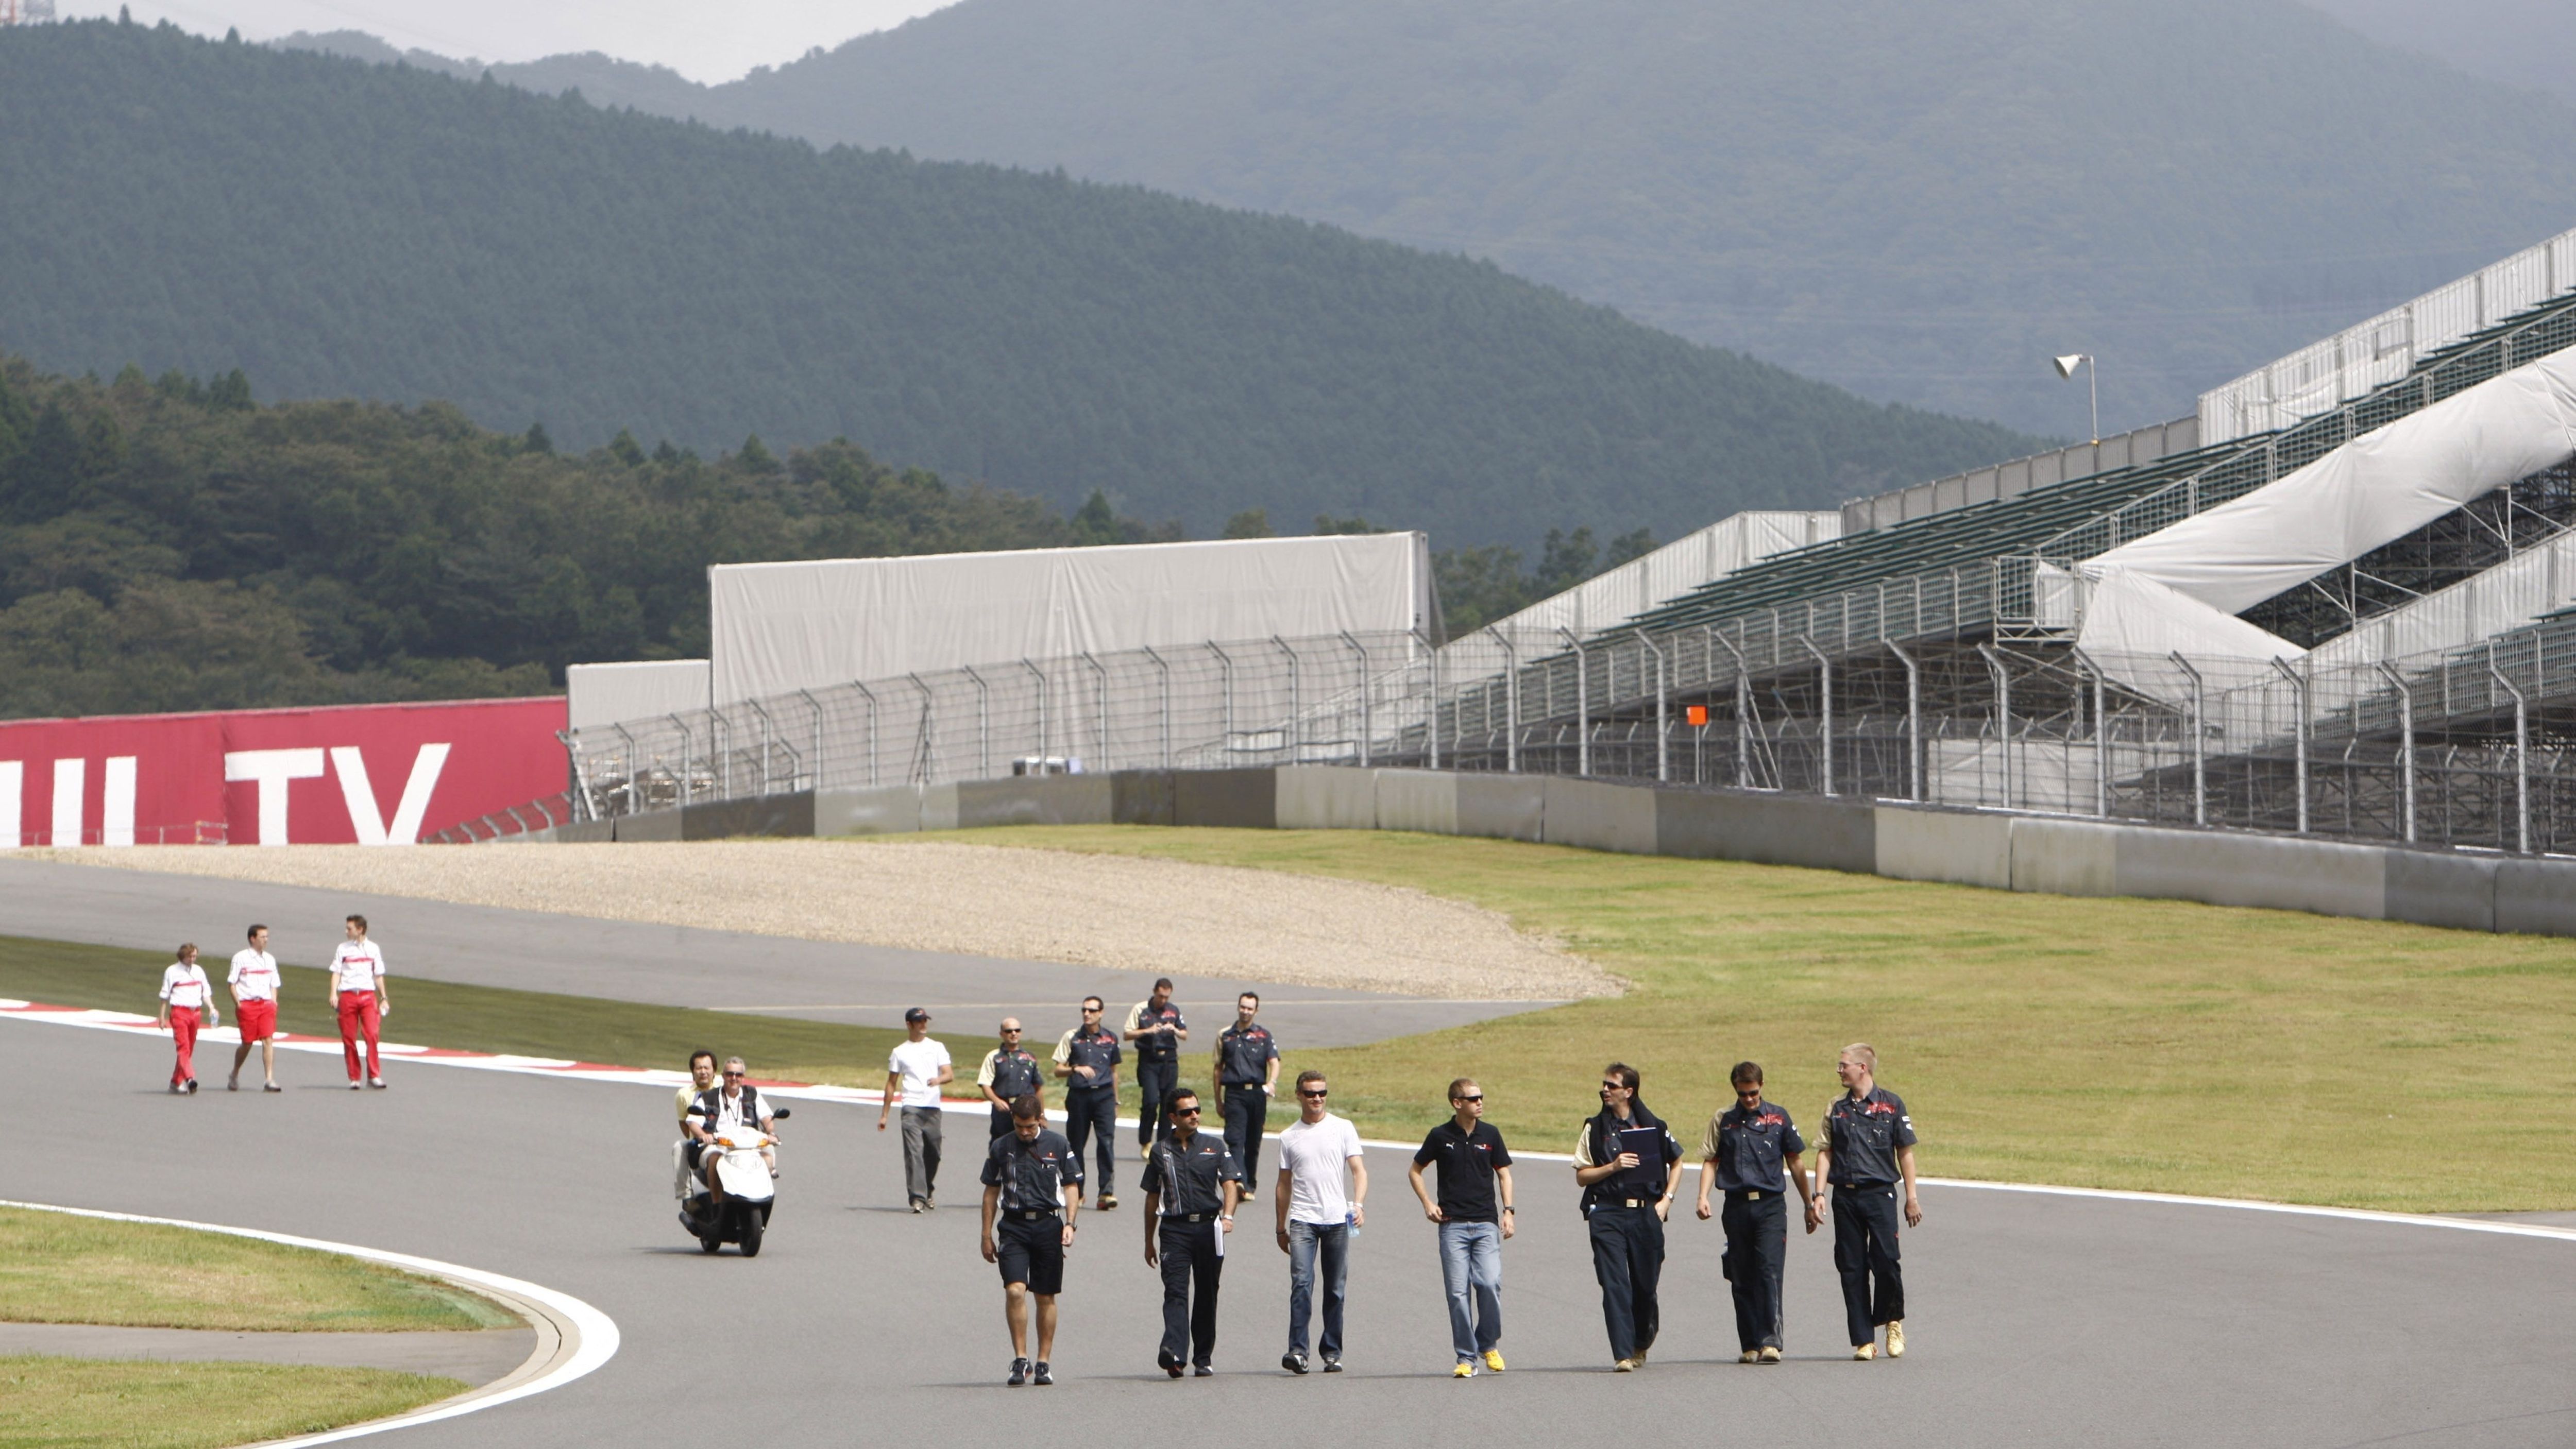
(605, 694)
(2376, 488)
(2128, 616)
(781, 627)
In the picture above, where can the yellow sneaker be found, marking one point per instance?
(1464, 1370)
(1493, 1360)
(1770, 1355)
(1624, 1366)
(1865, 1352)
(1896, 1339)
(1750, 1355)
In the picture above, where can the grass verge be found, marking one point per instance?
(62, 1268)
(132, 1404)
(2156, 1045)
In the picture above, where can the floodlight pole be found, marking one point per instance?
(1582, 702)
(2066, 366)
(2298, 741)
(2405, 746)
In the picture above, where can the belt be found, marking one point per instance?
(1041, 1215)
(1629, 1202)
(1189, 1217)
(1748, 1194)
(1243, 1086)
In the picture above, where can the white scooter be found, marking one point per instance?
(734, 1158)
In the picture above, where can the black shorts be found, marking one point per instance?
(1031, 1253)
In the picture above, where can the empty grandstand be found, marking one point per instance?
(2403, 669)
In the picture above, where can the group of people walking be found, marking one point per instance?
(358, 997)
(1197, 1178)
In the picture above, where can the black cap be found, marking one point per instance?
(917, 1014)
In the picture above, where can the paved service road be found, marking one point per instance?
(2038, 1321)
(672, 965)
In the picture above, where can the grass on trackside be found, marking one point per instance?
(63, 1268)
(2157, 1045)
(71, 1403)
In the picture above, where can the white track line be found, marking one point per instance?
(863, 1096)
(596, 1336)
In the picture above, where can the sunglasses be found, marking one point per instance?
(1182, 1112)
(1476, 1098)
(1318, 1093)
(737, 1074)
(1614, 1086)
(1748, 1091)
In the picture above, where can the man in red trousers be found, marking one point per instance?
(358, 991)
(187, 1003)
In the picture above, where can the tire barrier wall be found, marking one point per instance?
(2051, 854)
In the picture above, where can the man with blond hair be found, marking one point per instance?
(1868, 1148)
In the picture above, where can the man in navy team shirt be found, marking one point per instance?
(1868, 1148)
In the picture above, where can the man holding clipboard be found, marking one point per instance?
(1628, 1165)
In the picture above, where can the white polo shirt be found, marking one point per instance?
(186, 985)
(917, 1064)
(356, 966)
(254, 975)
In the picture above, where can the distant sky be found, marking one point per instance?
(711, 40)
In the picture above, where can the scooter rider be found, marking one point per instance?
(735, 1104)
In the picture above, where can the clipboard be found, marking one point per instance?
(1646, 1179)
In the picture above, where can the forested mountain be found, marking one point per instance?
(342, 229)
(1919, 201)
(173, 545)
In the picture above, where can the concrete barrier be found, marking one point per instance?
(1140, 797)
(2536, 896)
(1598, 816)
(2065, 857)
(2227, 869)
(1953, 846)
(1326, 797)
(1236, 799)
(1035, 800)
(880, 810)
(1423, 800)
(1505, 807)
(939, 807)
(582, 832)
(1767, 829)
(785, 815)
(649, 825)
(2440, 888)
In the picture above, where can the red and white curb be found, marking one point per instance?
(573, 1337)
(858, 1096)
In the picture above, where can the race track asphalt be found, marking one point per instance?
(671, 965)
(2035, 1321)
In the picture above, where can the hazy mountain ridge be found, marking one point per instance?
(337, 228)
(1922, 203)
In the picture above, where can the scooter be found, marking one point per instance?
(743, 1217)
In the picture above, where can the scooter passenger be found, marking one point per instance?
(735, 1104)
(702, 1075)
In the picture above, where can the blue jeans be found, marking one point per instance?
(1471, 1267)
(1305, 1241)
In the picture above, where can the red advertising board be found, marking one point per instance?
(378, 774)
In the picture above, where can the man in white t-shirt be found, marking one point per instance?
(358, 994)
(915, 1072)
(187, 1003)
(254, 981)
(1322, 1180)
